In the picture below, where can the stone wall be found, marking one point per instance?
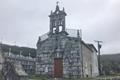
(68, 51)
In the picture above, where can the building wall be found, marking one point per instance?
(44, 62)
(72, 63)
(90, 61)
(69, 51)
(87, 61)
(95, 71)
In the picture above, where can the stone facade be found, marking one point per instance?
(59, 42)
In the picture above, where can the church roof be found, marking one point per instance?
(92, 46)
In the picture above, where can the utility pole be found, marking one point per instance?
(99, 58)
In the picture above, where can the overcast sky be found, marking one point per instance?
(22, 21)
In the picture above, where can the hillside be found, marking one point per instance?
(111, 63)
(111, 57)
(17, 49)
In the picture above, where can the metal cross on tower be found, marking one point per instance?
(57, 2)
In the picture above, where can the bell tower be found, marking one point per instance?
(57, 20)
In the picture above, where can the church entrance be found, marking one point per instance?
(58, 67)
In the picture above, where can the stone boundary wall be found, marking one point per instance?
(109, 78)
(102, 78)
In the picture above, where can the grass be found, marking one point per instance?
(40, 77)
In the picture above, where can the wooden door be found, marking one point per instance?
(58, 67)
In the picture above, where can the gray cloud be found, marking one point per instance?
(22, 21)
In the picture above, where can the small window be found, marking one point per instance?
(60, 28)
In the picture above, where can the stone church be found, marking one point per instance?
(62, 53)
